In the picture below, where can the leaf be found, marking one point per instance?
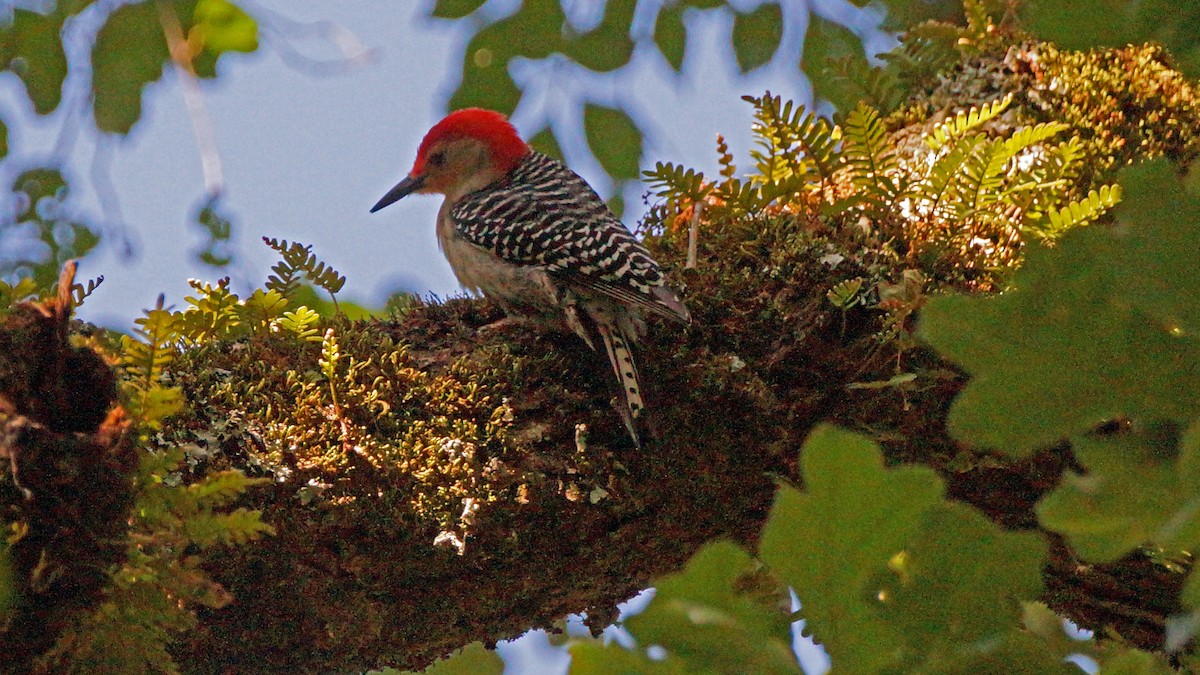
(608, 46)
(128, 54)
(670, 35)
(486, 83)
(3, 139)
(1135, 492)
(1074, 214)
(455, 9)
(473, 659)
(960, 582)
(545, 142)
(614, 139)
(31, 46)
(701, 618)
(1099, 327)
(219, 27)
(824, 43)
(756, 35)
(592, 657)
(832, 542)
(968, 120)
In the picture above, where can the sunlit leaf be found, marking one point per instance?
(220, 26)
(756, 35)
(614, 139)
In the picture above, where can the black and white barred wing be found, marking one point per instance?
(547, 216)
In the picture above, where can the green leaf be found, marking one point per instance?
(485, 83)
(545, 142)
(832, 542)
(608, 46)
(31, 46)
(614, 139)
(959, 584)
(1123, 660)
(1136, 492)
(827, 41)
(1098, 327)
(474, 659)
(455, 9)
(704, 4)
(702, 618)
(3, 139)
(670, 35)
(591, 657)
(128, 54)
(756, 35)
(219, 26)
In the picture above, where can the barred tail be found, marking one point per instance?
(618, 345)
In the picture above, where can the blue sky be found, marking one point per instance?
(304, 156)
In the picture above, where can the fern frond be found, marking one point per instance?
(302, 323)
(1026, 137)
(870, 158)
(213, 312)
(941, 185)
(793, 141)
(298, 259)
(676, 184)
(261, 308)
(236, 527)
(725, 158)
(878, 87)
(1077, 213)
(80, 292)
(965, 121)
(221, 488)
(145, 358)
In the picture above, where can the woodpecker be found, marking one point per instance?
(524, 230)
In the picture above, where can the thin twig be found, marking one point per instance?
(181, 55)
(694, 235)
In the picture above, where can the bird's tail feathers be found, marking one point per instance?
(618, 344)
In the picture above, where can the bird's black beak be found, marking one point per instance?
(409, 185)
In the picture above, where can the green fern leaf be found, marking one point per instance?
(965, 121)
(236, 527)
(302, 323)
(298, 260)
(871, 160)
(222, 488)
(1077, 213)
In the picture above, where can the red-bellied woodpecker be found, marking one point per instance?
(530, 234)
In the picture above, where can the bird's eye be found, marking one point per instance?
(437, 159)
